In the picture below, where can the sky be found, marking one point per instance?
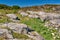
(25, 3)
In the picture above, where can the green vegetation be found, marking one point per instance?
(48, 9)
(8, 11)
(1, 38)
(20, 36)
(3, 13)
(38, 26)
(3, 6)
(15, 7)
(3, 19)
(34, 23)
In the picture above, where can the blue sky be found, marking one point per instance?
(24, 3)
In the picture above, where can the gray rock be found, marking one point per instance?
(35, 36)
(19, 28)
(13, 16)
(5, 33)
(32, 12)
(16, 27)
(33, 16)
(24, 14)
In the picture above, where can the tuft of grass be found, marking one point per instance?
(3, 19)
(19, 36)
(1, 38)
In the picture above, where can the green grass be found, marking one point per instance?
(20, 36)
(8, 11)
(38, 26)
(3, 19)
(4, 12)
(1, 38)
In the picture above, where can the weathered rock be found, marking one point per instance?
(12, 16)
(33, 16)
(54, 23)
(35, 36)
(5, 34)
(22, 29)
(41, 13)
(16, 27)
(24, 14)
(32, 12)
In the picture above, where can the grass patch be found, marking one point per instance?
(34, 23)
(38, 26)
(8, 11)
(20, 36)
(3, 19)
(1, 38)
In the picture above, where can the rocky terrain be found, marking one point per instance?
(31, 23)
(8, 29)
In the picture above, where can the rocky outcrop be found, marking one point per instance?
(18, 28)
(44, 16)
(5, 33)
(54, 23)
